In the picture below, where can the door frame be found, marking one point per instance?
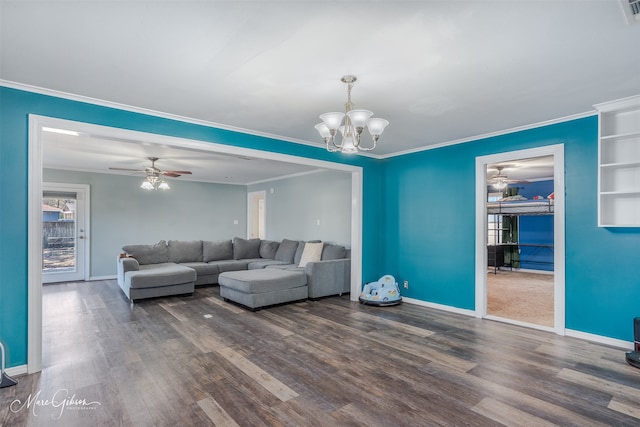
(557, 151)
(252, 211)
(34, 215)
(83, 221)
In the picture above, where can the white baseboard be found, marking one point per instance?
(96, 278)
(439, 306)
(16, 370)
(600, 339)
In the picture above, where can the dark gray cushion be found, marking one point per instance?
(243, 248)
(148, 254)
(287, 250)
(333, 252)
(214, 251)
(185, 250)
(268, 249)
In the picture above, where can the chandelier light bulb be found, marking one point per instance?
(359, 118)
(163, 185)
(146, 185)
(323, 130)
(332, 120)
(376, 126)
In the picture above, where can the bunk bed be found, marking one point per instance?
(521, 207)
(517, 206)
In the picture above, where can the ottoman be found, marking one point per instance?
(260, 288)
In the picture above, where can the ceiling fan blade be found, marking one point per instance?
(127, 169)
(171, 174)
(179, 172)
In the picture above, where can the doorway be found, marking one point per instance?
(65, 231)
(484, 255)
(35, 187)
(256, 221)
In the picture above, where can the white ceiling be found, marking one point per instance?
(97, 153)
(439, 71)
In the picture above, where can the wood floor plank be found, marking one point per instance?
(214, 411)
(227, 306)
(508, 415)
(591, 381)
(322, 363)
(278, 389)
(627, 407)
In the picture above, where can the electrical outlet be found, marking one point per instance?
(406, 284)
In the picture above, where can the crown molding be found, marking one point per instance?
(140, 110)
(492, 134)
(149, 112)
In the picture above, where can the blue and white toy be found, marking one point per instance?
(383, 292)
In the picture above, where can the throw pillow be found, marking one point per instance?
(246, 249)
(311, 253)
(268, 249)
(286, 251)
(215, 251)
(185, 250)
(148, 254)
(334, 252)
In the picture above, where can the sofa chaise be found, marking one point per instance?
(177, 267)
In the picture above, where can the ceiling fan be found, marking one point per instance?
(499, 181)
(154, 177)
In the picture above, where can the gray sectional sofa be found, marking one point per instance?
(177, 266)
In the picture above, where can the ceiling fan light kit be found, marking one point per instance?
(154, 179)
(499, 181)
(351, 130)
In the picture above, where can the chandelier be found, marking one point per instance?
(354, 123)
(154, 182)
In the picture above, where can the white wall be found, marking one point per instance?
(296, 205)
(122, 213)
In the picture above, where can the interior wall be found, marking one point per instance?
(315, 206)
(430, 216)
(15, 107)
(536, 230)
(122, 213)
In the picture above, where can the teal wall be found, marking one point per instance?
(16, 105)
(122, 213)
(292, 210)
(418, 223)
(429, 228)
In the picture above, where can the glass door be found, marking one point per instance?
(63, 233)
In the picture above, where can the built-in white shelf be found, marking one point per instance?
(619, 163)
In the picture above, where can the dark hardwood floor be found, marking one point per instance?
(197, 360)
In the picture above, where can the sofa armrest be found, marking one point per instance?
(124, 265)
(332, 277)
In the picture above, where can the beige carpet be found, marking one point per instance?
(526, 297)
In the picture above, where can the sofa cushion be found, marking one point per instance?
(213, 251)
(333, 252)
(202, 268)
(262, 281)
(243, 248)
(268, 249)
(311, 253)
(148, 254)
(185, 250)
(257, 265)
(287, 250)
(232, 264)
(164, 274)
